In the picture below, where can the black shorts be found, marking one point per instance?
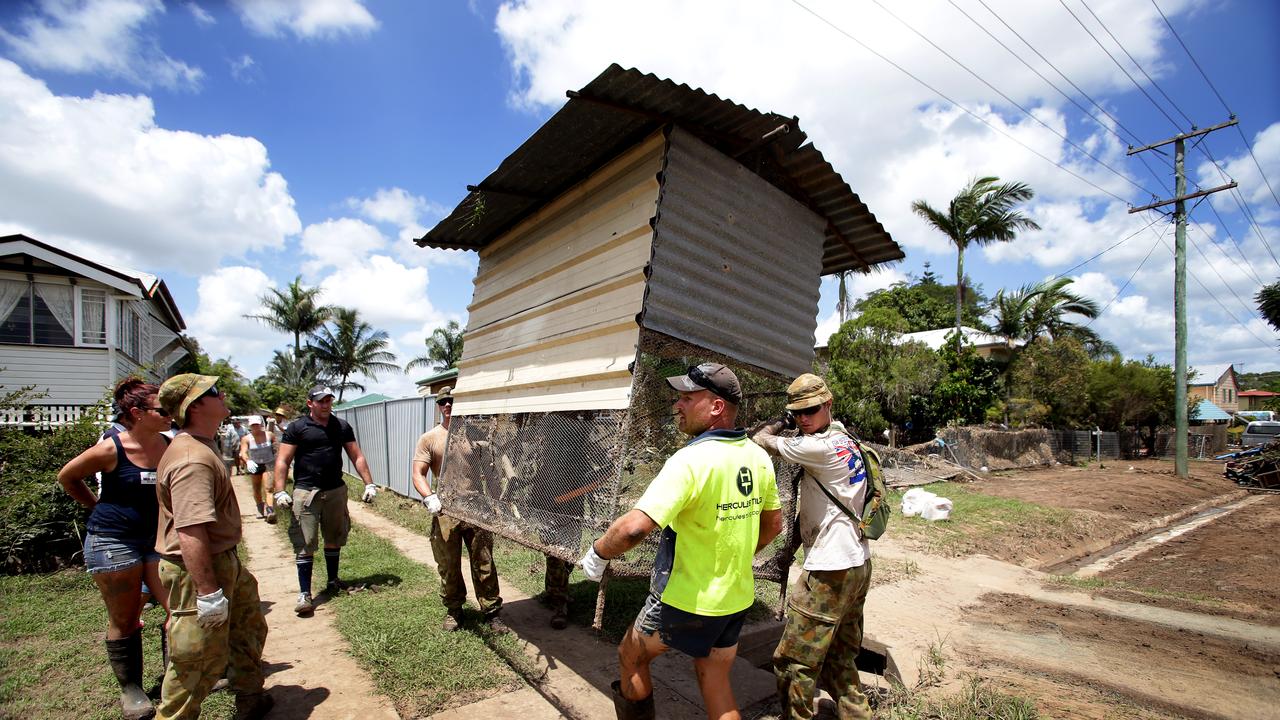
(693, 635)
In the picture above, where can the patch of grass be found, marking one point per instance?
(391, 619)
(977, 518)
(976, 701)
(1097, 583)
(526, 569)
(52, 660)
(886, 571)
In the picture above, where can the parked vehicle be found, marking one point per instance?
(1260, 432)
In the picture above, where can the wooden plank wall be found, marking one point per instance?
(552, 322)
(71, 376)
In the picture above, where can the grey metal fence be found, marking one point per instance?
(387, 433)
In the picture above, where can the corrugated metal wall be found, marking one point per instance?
(552, 321)
(736, 262)
(387, 433)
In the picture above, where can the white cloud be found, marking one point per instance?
(307, 18)
(1242, 169)
(225, 296)
(99, 169)
(337, 243)
(408, 213)
(244, 69)
(99, 36)
(387, 293)
(859, 286)
(201, 15)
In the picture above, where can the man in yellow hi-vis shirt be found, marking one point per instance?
(716, 500)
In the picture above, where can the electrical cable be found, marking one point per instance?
(1131, 277)
(1122, 241)
(1136, 64)
(966, 110)
(1224, 307)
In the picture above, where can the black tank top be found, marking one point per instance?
(127, 507)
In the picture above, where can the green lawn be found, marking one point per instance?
(52, 660)
(977, 520)
(391, 619)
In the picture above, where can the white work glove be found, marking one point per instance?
(212, 609)
(592, 564)
(251, 468)
(284, 499)
(370, 490)
(432, 503)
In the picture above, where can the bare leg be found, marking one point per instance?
(713, 681)
(634, 655)
(122, 593)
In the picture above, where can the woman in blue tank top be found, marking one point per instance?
(119, 545)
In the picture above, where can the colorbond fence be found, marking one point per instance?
(387, 433)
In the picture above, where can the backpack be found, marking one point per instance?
(876, 507)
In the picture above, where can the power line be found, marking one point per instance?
(1137, 64)
(1131, 276)
(1122, 241)
(1010, 100)
(1248, 267)
(1248, 309)
(1203, 74)
(1234, 319)
(966, 110)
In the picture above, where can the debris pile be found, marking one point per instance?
(1256, 468)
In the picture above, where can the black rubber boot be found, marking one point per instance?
(631, 709)
(125, 657)
(253, 707)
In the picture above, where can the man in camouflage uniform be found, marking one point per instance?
(824, 621)
(216, 620)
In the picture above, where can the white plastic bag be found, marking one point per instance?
(915, 500)
(938, 508)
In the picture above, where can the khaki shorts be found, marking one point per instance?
(316, 513)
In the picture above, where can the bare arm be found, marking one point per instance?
(770, 526)
(420, 470)
(283, 459)
(99, 458)
(244, 449)
(357, 459)
(194, 541)
(625, 533)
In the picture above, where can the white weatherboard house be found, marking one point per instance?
(73, 327)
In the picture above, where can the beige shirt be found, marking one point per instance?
(430, 449)
(193, 488)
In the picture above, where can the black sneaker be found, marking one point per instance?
(335, 587)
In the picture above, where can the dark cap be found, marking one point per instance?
(319, 392)
(715, 377)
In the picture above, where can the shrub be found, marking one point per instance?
(41, 527)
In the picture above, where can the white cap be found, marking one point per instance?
(255, 420)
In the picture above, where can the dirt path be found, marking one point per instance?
(309, 671)
(573, 666)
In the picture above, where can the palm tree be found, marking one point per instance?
(1268, 299)
(293, 370)
(444, 348)
(351, 347)
(1040, 309)
(982, 213)
(295, 310)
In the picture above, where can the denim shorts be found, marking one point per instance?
(113, 554)
(693, 635)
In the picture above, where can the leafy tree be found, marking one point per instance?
(444, 349)
(1131, 393)
(873, 377)
(349, 347)
(982, 213)
(1053, 374)
(1268, 299)
(926, 305)
(242, 399)
(288, 377)
(296, 309)
(968, 386)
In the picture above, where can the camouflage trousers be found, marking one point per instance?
(447, 536)
(821, 642)
(199, 656)
(556, 582)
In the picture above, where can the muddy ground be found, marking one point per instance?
(1184, 630)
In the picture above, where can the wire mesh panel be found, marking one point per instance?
(555, 480)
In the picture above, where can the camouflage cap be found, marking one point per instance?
(178, 392)
(445, 395)
(806, 391)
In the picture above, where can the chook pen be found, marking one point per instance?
(645, 227)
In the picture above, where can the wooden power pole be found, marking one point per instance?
(1180, 277)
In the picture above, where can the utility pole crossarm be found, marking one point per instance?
(1183, 198)
(1184, 136)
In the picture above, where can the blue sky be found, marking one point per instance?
(228, 146)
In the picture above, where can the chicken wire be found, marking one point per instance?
(554, 481)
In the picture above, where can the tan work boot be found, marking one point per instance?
(451, 622)
(560, 617)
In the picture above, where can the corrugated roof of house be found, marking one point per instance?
(1209, 374)
(1256, 393)
(1206, 410)
(362, 400)
(936, 338)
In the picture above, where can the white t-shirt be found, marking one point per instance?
(831, 540)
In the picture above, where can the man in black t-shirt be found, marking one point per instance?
(314, 444)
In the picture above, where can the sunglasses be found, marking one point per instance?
(445, 402)
(160, 411)
(701, 380)
(807, 411)
(211, 392)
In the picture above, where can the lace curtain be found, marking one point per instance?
(11, 292)
(61, 302)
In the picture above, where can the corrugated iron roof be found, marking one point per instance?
(1206, 410)
(623, 106)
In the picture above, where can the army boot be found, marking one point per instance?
(125, 656)
(254, 706)
(631, 709)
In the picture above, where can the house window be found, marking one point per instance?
(36, 313)
(130, 331)
(93, 317)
